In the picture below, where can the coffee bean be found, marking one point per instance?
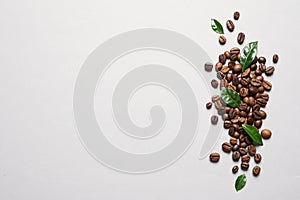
(221, 111)
(236, 156)
(265, 96)
(262, 102)
(225, 70)
(248, 140)
(233, 57)
(263, 114)
(222, 59)
(252, 75)
(236, 15)
(230, 63)
(236, 134)
(270, 70)
(251, 150)
(208, 105)
(232, 113)
(262, 67)
(235, 147)
(218, 104)
(246, 158)
(256, 114)
(227, 147)
(245, 166)
(266, 133)
(231, 87)
(258, 123)
(262, 60)
(220, 75)
(260, 78)
(227, 124)
(275, 58)
(235, 169)
(229, 77)
(254, 60)
(243, 106)
(208, 66)
(244, 81)
(235, 80)
(256, 170)
(267, 85)
(253, 90)
(218, 66)
(251, 101)
(214, 83)
(214, 157)
(246, 73)
(215, 98)
(242, 151)
(255, 82)
(250, 121)
(235, 50)
(233, 141)
(243, 92)
(258, 72)
(231, 131)
(253, 67)
(261, 89)
(214, 119)
(257, 158)
(222, 39)
(241, 38)
(246, 100)
(243, 145)
(230, 25)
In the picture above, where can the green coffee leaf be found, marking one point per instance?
(231, 97)
(248, 54)
(240, 182)
(253, 133)
(216, 26)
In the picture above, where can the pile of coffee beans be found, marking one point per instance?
(253, 87)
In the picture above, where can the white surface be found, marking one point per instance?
(43, 45)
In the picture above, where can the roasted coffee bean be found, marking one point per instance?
(239, 87)
(242, 120)
(243, 114)
(231, 131)
(230, 25)
(256, 114)
(235, 50)
(233, 57)
(222, 59)
(258, 123)
(269, 71)
(239, 57)
(258, 72)
(233, 141)
(220, 75)
(244, 81)
(246, 73)
(265, 96)
(255, 82)
(208, 105)
(208, 66)
(235, 80)
(218, 66)
(253, 90)
(275, 58)
(267, 85)
(235, 169)
(246, 100)
(245, 158)
(230, 63)
(261, 89)
(257, 158)
(241, 38)
(236, 15)
(236, 156)
(214, 157)
(251, 150)
(253, 67)
(260, 78)
(243, 92)
(237, 68)
(252, 75)
(227, 147)
(248, 140)
(232, 113)
(256, 170)
(243, 106)
(242, 151)
(225, 70)
(266, 133)
(235, 120)
(227, 124)
(235, 147)
(214, 119)
(227, 54)
(221, 111)
(251, 101)
(218, 104)
(242, 138)
(263, 114)
(237, 111)
(262, 67)
(231, 86)
(214, 83)
(222, 39)
(215, 98)
(250, 121)
(243, 145)
(262, 60)
(245, 166)
(229, 77)
(236, 134)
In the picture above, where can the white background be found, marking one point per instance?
(42, 47)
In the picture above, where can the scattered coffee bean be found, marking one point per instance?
(227, 54)
(242, 151)
(233, 141)
(214, 119)
(266, 133)
(230, 25)
(218, 66)
(241, 38)
(214, 157)
(235, 50)
(256, 170)
(245, 166)
(251, 150)
(208, 105)
(235, 169)
(222, 59)
(262, 60)
(257, 158)
(235, 147)
(214, 83)
(236, 15)
(262, 67)
(246, 158)
(269, 70)
(227, 147)
(222, 39)
(275, 58)
(267, 85)
(237, 68)
(236, 156)
(208, 66)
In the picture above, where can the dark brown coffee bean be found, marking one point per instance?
(208, 105)
(262, 67)
(231, 86)
(253, 90)
(235, 50)
(218, 66)
(260, 78)
(230, 25)
(214, 119)
(261, 89)
(248, 140)
(255, 82)
(266, 133)
(263, 114)
(218, 104)
(222, 39)
(258, 72)
(208, 66)
(236, 15)
(251, 150)
(242, 138)
(227, 54)
(220, 75)
(229, 77)
(256, 114)
(261, 102)
(242, 120)
(233, 57)
(243, 106)
(257, 158)
(221, 111)
(246, 100)
(227, 147)
(262, 60)
(267, 85)
(235, 147)
(243, 92)
(225, 117)
(270, 70)
(233, 141)
(250, 121)
(246, 73)
(222, 59)
(214, 157)
(227, 124)
(242, 151)
(244, 82)
(231, 131)
(258, 123)
(265, 96)
(256, 170)
(245, 166)
(246, 158)
(214, 83)
(243, 145)
(236, 156)
(239, 57)
(253, 67)
(275, 58)
(235, 169)
(241, 38)
(232, 113)
(236, 134)
(243, 114)
(251, 101)
(235, 80)
(230, 63)
(225, 70)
